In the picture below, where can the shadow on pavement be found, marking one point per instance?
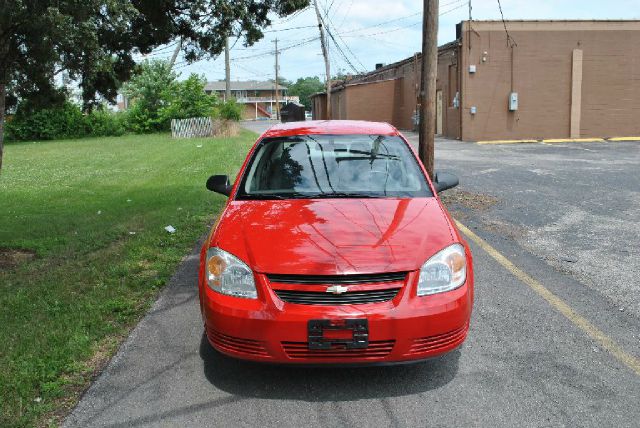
(255, 380)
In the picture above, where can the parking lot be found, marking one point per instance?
(554, 341)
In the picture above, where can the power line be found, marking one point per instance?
(290, 28)
(294, 15)
(270, 52)
(349, 33)
(510, 41)
(341, 52)
(328, 9)
(381, 24)
(344, 18)
(254, 72)
(345, 45)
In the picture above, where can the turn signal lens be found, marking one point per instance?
(215, 268)
(445, 271)
(227, 274)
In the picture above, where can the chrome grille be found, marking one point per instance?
(348, 298)
(375, 278)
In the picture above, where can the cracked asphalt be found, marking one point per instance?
(565, 214)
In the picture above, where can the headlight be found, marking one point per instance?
(226, 274)
(445, 271)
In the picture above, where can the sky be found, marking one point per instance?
(377, 31)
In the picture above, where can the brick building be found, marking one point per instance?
(555, 79)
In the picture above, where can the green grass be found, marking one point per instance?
(77, 204)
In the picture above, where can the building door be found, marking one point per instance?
(439, 113)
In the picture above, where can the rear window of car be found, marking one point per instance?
(333, 166)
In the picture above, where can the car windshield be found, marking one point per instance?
(333, 166)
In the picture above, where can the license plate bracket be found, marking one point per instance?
(359, 330)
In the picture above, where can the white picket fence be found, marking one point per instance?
(194, 127)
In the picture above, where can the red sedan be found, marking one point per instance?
(334, 248)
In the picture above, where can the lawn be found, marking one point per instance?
(83, 252)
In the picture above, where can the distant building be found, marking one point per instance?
(259, 97)
(560, 79)
(122, 102)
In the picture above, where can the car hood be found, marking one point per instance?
(333, 236)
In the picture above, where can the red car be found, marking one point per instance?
(334, 248)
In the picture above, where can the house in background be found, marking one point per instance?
(258, 97)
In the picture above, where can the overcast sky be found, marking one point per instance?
(379, 31)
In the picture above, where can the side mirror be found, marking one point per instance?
(445, 180)
(219, 184)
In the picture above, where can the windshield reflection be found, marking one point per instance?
(333, 166)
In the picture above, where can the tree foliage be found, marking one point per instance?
(93, 41)
(188, 99)
(156, 97)
(231, 110)
(305, 87)
(148, 91)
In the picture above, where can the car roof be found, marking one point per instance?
(332, 127)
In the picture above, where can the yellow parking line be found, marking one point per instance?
(506, 142)
(574, 140)
(591, 330)
(624, 139)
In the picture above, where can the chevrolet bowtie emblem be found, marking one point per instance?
(337, 289)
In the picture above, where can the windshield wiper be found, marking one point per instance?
(342, 195)
(329, 195)
(279, 196)
(263, 196)
(372, 154)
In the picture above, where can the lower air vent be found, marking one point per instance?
(235, 344)
(379, 349)
(434, 343)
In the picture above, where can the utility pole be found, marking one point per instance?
(325, 53)
(176, 51)
(277, 95)
(426, 147)
(227, 71)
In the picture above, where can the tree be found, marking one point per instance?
(305, 87)
(149, 92)
(188, 99)
(93, 41)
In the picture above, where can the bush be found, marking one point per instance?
(65, 121)
(231, 110)
(103, 123)
(141, 120)
(62, 122)
(188, 99)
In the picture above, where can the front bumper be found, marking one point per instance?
(406, 328)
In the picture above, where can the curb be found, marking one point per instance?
(624, 139)
(507, 142)
(573, 140)
(559, 140)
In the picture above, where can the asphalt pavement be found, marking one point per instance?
(563, 214)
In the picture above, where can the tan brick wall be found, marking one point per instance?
(542, 77)
(374, 101)
(448, 67)
(318, 108)
(540, 71)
